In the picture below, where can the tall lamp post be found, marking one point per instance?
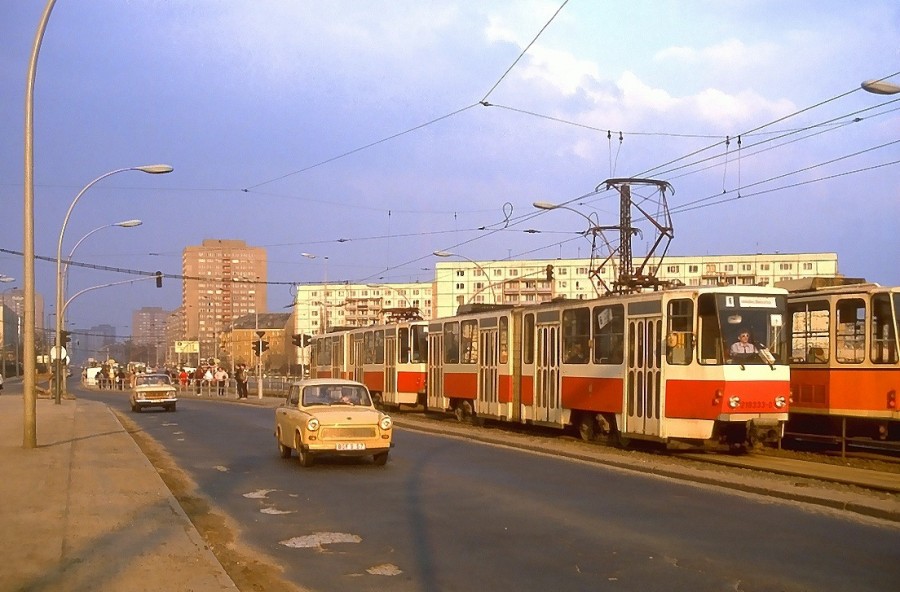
(154, 169)
(483, 270)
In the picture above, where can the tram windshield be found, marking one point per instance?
(742, 329)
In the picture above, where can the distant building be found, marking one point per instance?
(95, 342)
(224, 280)
(524, 282)
(238, 341)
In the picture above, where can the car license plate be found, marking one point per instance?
(350, 446)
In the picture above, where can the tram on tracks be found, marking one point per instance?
(656, 366)
(391, 359)
(845, 369)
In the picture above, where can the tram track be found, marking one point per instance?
(870, 471)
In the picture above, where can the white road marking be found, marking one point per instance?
(385, 569)
(317, 539)
(221, 469)
(259, 493)
(274, 511)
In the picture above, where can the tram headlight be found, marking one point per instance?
(386, 423)
(780, 401)
(734, 402)
(313, 424)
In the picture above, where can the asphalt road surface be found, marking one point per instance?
(448, 514)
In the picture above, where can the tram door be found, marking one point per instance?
(358, 359)
(642, 398)
(435, 386)
(488, 376)
(337, 357)
(390, 369)
(546, 379)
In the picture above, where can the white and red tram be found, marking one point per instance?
(391, 360)
(845, 367)
(655, 366)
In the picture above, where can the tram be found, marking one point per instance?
(390, 359)
(845, 369)
(655, 366)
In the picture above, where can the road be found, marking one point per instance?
(450, 514)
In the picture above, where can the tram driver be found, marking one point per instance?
(743, 348)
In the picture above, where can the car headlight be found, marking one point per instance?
(386, 423)
(312, 425)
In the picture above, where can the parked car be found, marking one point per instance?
(331, 416)
(153, 390)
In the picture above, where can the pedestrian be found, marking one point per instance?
(183, 378)
(240, 378)
(198, 378)
(221, 378)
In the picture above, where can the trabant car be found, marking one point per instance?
(153, 390)
(331, 416)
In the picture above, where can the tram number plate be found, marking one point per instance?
(350, 446)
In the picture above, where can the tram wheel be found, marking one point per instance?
(463, 411)
(587, 428)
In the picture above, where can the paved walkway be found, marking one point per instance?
(86, 510)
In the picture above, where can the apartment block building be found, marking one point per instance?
(224, 280)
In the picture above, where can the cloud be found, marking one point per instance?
(731, 54)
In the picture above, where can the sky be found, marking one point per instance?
(373, 133)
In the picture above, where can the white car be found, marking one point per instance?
(153, 390)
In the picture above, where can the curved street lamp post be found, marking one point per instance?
(476, 264)
(153, 169)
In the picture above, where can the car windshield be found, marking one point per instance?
(152, 380)
(335, 394)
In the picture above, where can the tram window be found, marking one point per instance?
(680, 333)
(884, 340)
(403, 344)
(419, 343)
(528, 339)
(609, 328)
(810, 325)
(451, 343)
(469, 341)
(324, 352)
(369, 346)
(850, 331)
(379, 347)
(504, 340)
(576, 325)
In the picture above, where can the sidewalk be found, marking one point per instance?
(86, 510)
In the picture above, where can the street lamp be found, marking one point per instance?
(153, 169)
(483, 270)
(123, 224)
(880, 87)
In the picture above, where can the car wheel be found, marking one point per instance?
(284, 451)
(172, 408)
(380, 459)
(304, 456)
(136, 408)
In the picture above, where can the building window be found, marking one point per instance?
(673, 269)
(693, 268)
(807, 266)
(746, 267)
(764, 266)
(460, 273)
(513, 273)
(729, 267)
(785, 266)
(460, 286)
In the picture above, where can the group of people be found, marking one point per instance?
(215, 376)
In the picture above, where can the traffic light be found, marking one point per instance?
(260, 346)
(64, 337)
(159, 279)
(549, 273)
(300, 339)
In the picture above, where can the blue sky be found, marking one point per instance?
(285, 124)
